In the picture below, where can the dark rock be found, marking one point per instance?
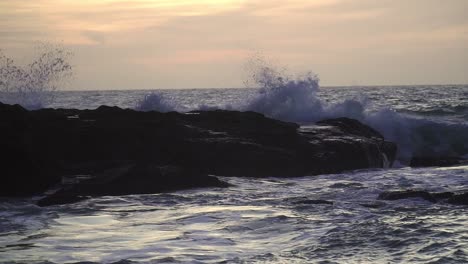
(449, 197)
(436, 161)
(461, 198)
(308, 201)
(22, 173)
(397, 195)
(132, 179)
(41, 146)
(442, 195)
(373, 205)
(61, 198)
(351, 127)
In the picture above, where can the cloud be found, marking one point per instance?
(168, 37)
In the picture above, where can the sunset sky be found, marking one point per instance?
(145, 44)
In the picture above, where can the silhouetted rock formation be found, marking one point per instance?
(39, 147)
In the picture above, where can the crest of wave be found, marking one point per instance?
(33, 86)
(155, 102)
(286, 98)
(296, 99)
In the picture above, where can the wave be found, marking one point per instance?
(296, 99)
(155, 102)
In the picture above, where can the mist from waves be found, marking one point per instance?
(296, 99)
(34, 85)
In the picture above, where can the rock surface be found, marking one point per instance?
(39, 147)
(132, 179)
(449, 197)
(437, 161)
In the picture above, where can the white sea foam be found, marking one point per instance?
(155, 102)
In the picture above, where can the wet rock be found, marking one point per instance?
(132, 179)
(61, 198)
(459, 198)
(351, 127)
(442, 195)
(41, 146)
(373, 205)
(397, 195)
(437, 161)
(308, 201)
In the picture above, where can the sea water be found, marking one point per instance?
(270, 220)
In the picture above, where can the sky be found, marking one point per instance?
(155, 44)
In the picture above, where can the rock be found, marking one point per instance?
(132, 179)
(461, 199)
(375, 205)
(42, 146)
(351, 127)
(436, 161)
(308, 201)
(449, 197)
(397, 195)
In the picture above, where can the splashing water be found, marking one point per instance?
(155, 102)
(286, 98)
(296, 99)
(33, 85)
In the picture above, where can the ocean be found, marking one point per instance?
(264, 220)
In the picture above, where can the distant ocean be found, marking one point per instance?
(259, 220)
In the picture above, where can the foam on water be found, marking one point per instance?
(257, 220)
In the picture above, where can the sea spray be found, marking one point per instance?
(296, 99)
(280, 95)
(34, 85)
(155, 102)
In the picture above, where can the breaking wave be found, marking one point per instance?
(155, 102)
(296, 99)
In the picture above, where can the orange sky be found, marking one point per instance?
(196, 44)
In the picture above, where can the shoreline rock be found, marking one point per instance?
(132, 179)
(41, 146)
(431, 161)
(457, 198)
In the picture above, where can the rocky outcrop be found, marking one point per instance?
(460, 198)
(437, 161)
(131, 179)
(40, 147)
